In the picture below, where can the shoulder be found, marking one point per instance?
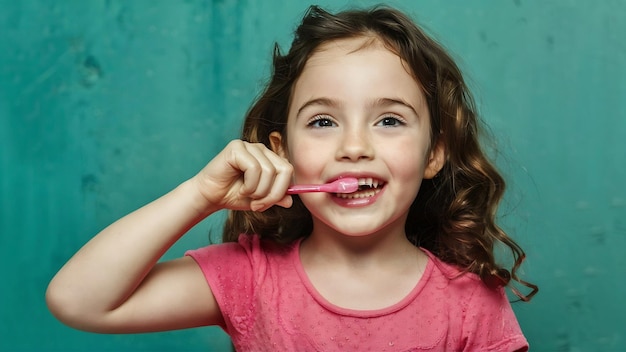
(247, 247)
(455, 280)
(487, 321)
(235, 272)
(464, 289)
(247, 262)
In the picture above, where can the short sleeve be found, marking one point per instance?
(231, 271)
(490, 323)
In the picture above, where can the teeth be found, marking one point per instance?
(368, 187)
(365, 181)
(371, 182)
(361, 194)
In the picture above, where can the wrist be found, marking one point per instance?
(198, 202)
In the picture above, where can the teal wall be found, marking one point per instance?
(105, 105)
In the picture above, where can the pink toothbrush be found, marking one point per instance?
(342, 185)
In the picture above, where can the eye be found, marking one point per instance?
(321, 121)
(390, 121)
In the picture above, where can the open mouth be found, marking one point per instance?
(368, 187)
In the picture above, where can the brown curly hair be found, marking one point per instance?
(453, 215)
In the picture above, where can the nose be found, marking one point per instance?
(355, 144)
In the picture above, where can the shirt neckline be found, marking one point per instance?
(360, 313)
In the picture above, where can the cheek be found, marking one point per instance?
(409, 171)
(407, 156)
(308, 160)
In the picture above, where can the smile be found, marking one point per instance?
(368, 187)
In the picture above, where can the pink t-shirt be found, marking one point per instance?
(269, 304)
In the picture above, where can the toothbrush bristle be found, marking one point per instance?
(348, 185)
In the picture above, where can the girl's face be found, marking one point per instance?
(356, 111)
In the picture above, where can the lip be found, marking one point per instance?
(358, 202)
(357, 175)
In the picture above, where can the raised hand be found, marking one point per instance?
(245, 176)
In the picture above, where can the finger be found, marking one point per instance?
(282, 179)
(286, 202)
(249, 167)
(267, 172)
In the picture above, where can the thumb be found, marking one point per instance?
(286, 201)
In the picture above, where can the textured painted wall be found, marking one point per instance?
(105, 105)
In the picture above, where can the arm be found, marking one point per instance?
(114, 284)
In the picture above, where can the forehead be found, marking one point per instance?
(338, 48)
(341, 54)
(356, 67)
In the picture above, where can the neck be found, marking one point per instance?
(362, 272)
(327, 246)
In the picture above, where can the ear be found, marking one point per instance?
(436, 160)
(276, 142)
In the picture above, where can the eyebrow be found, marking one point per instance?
(386, 102)
(380, 102)
(319, 101)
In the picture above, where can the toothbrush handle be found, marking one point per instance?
(297, 189)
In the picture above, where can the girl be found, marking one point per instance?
(404, 263)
